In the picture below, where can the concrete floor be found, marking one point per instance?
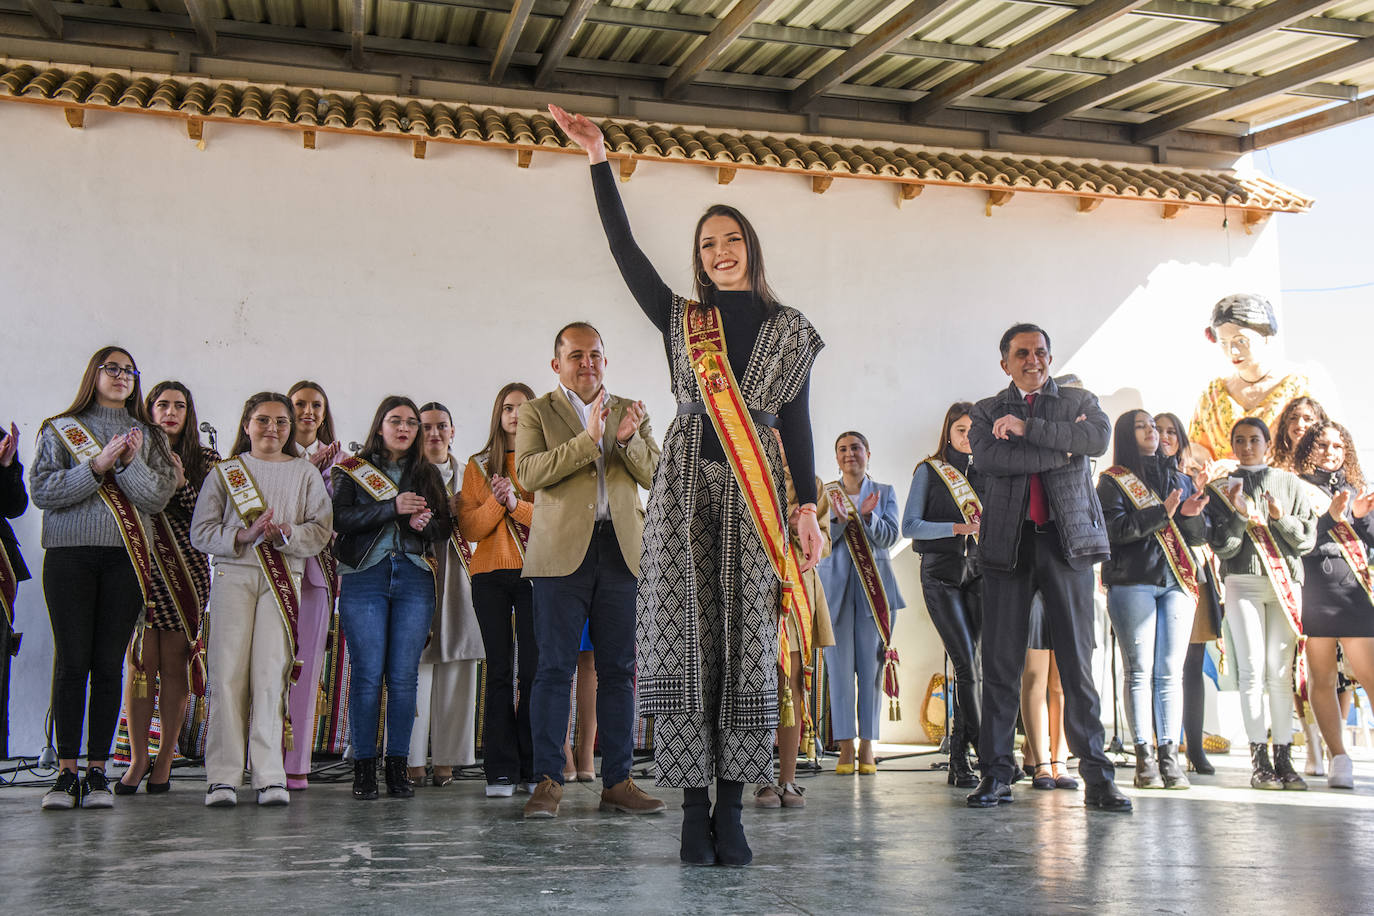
(900, 842)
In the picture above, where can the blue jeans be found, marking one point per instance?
(1153, 625)
(601, 592)
(385, 611)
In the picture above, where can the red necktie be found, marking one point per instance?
(1039, 505)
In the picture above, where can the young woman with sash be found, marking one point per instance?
(446, 694)
(313, 440)
(494, 512)
(943, 516)
(863, 596)
(1261, 524)
(1192, 462)
(1338, 588)
(171, 652)
(261, 514)
(715, 557)
(101, 471)
(1154, 516)
(390, 510)
(1298, 416)
(14, 499)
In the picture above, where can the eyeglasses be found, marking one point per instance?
(268, 422)
(398, 422)
(114, 371)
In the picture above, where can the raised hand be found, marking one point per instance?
(1275, 512)
(634, 415)
(1338, 505)
(596, 417)
(1194, 504)
(869, 504)
(1236, 493)
(1171, 502)
(326, 456)
(582, 132)
(409, 503)
(1362, 504)
(9, 446)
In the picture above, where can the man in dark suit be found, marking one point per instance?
(1042, 531)
(13, 501)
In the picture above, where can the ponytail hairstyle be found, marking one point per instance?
(956, 410)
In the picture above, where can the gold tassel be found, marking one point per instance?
(141, 685)
(809, 739)
(894, 710)
(321, 707)
(788, 717)
(289, 738)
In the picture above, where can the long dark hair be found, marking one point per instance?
(956, 410)
(325, 432)
(133, 404)
(1283, 453)
(1302, 458)
(1125, 451)
(188, 447)
(1183, 440)
(241, 442)
(427, 481)
(758, 279)
(495, 449)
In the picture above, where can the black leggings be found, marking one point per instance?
(957, 613)
(93, 602)
(1193, 697)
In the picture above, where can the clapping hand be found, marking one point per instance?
(582, 132)
(1338, 505)
(326, 456)
(1236, 493)
(596, 417)
(133, 441)
(869, 504)
(277, 535)
(409, 503)
(109, 454)
(9, 446)
(1275, 513)
(1362, 504)
(504, 491)
(634, 415)
(1194, 504)
(419, 520)
(1171, 502)
(256, 531)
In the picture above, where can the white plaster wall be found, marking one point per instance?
(254, 263)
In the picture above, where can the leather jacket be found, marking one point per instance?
(360, 520)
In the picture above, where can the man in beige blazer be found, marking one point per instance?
(585, 453)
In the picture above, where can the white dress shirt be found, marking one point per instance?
(603, 503)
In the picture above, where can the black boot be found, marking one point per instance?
(1169, 770)
(1262, 775)
(365, 779)
(961, 773)
(698, 845)
(1146, 773)
(397, 782)
(731, 846)
(1283, 768)
(1193, 697)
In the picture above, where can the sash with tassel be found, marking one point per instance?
(797, 606)
(519, 532)
(1169, 538)
(970, 507)
(739, 439)
(9, 586)
(248, 503)
(186, 598)
(861, 552)
(84, 446)
(460, 546)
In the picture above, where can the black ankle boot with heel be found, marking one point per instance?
(698, 842)
(731, 846)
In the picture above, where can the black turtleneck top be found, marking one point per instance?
(741, 313)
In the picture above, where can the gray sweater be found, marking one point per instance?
(1295, 531)
(74, 515)
(295, 493)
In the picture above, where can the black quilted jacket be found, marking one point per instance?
(1057, 446)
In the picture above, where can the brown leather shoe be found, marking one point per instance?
(629, 798)
(544, 801)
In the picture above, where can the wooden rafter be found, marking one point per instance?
(713, 45)
(46, 14)
(1042, 42)
(561, 41)
(515, 27)
(1322, 120)
(1351, 55)
(1275, 15)
(201, 22)
(356, 28)
(872, 46)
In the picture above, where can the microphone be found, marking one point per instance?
(355, 447)
(205, 427)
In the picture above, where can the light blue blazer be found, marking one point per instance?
(883, 529)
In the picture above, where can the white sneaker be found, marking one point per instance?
(221, 796)
(1342, 772)
(1316, 763)
(273, 796)
(95, 790)
(502, 788)
(65, 794)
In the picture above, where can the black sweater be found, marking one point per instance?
(741, 313)
(1137, 558)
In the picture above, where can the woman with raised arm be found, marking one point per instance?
(101, 471)
(715, 534)
(181, 586)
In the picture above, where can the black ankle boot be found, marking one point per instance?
(698, 845)
(1283, 768)
(731, 847)
(1169, 770)
(1262, 775)
(1146, 772)
(961, 773)
(397, 781)
(365, 779)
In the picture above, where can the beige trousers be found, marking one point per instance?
(445, 715)
(249, 660)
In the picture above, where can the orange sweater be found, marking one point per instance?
(482, 519)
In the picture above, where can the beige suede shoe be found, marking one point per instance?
(544, 801)
(629, 798)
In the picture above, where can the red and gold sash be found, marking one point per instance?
(368, 476)
(248, 502)
(1353, 549)
(970, 507)
(521, 533)
(861, 552)
(1170, 539)
(84, 446)
(186, 598)
(460, 546)
(9, 586)
(797, 605)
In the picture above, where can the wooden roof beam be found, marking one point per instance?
(356, 27)
(205, 29)
(561, 41)
(872, 46)
(1043, 42)
(1265, 19)
(49, 20)
(710, 48)
(1352, 55)
(1301, 127)
(515, 26)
